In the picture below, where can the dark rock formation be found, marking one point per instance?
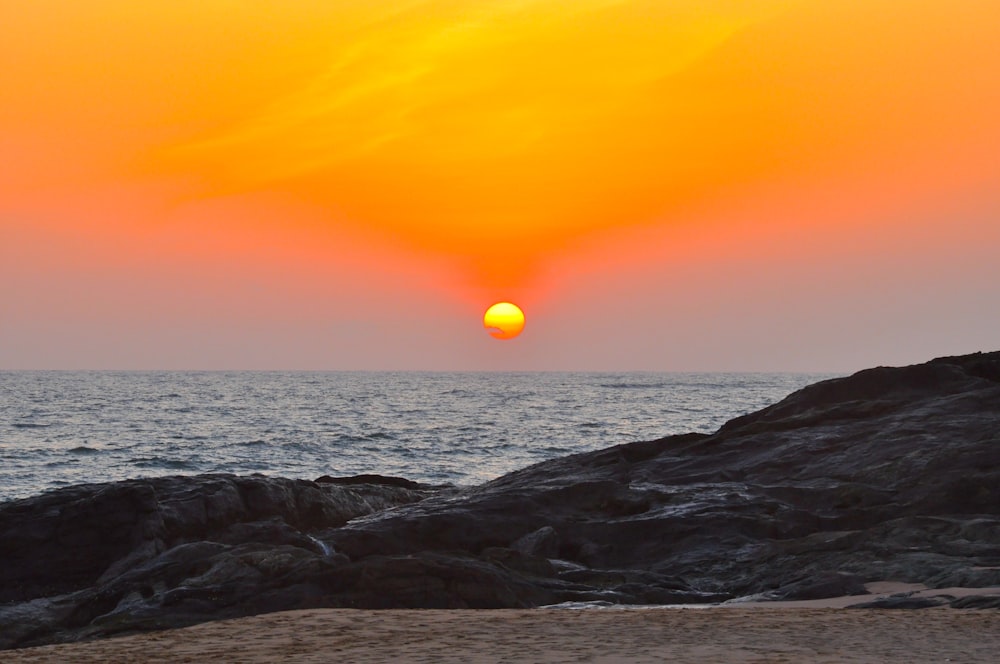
(976, 602)
(902, 601)
(889, 474)
(143, 554)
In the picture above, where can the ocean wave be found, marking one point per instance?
(83, 449)
(184, 436)
(168, 464)
(364, 437)
(635, 386)
(298, 446)
(30, 425)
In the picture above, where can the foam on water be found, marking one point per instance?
(61, 428)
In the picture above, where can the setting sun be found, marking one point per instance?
(504, 320)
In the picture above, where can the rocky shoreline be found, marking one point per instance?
(892, 474)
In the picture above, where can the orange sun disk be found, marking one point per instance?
(504, 320)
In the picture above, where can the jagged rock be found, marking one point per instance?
(889, 474)
(96, 559)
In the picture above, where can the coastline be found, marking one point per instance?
(822, 500)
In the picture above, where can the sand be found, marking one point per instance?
(721, 634)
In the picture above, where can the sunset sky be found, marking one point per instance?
(666, 185)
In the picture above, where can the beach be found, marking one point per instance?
(719, 634)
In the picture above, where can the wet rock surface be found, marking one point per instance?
(892, 474)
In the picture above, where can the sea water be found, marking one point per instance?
(62, 428)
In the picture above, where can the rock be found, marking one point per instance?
(902, 602)
(521, 562)
(432, 580)
(95, 559)
(822, 586)
(378, 480)
(543, 542)
(892, 474)
(976, 602)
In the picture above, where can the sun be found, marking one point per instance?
(504, 320)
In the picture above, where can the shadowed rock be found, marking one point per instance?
(901, 602)
(892, 474)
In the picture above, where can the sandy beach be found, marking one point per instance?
(731, 634)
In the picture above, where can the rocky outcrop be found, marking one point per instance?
(99, 558)
(889, 474)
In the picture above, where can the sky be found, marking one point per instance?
(670, 185)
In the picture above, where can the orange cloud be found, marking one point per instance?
(493, 132)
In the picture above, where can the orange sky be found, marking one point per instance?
(786, 184)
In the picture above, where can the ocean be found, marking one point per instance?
(59, 428)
